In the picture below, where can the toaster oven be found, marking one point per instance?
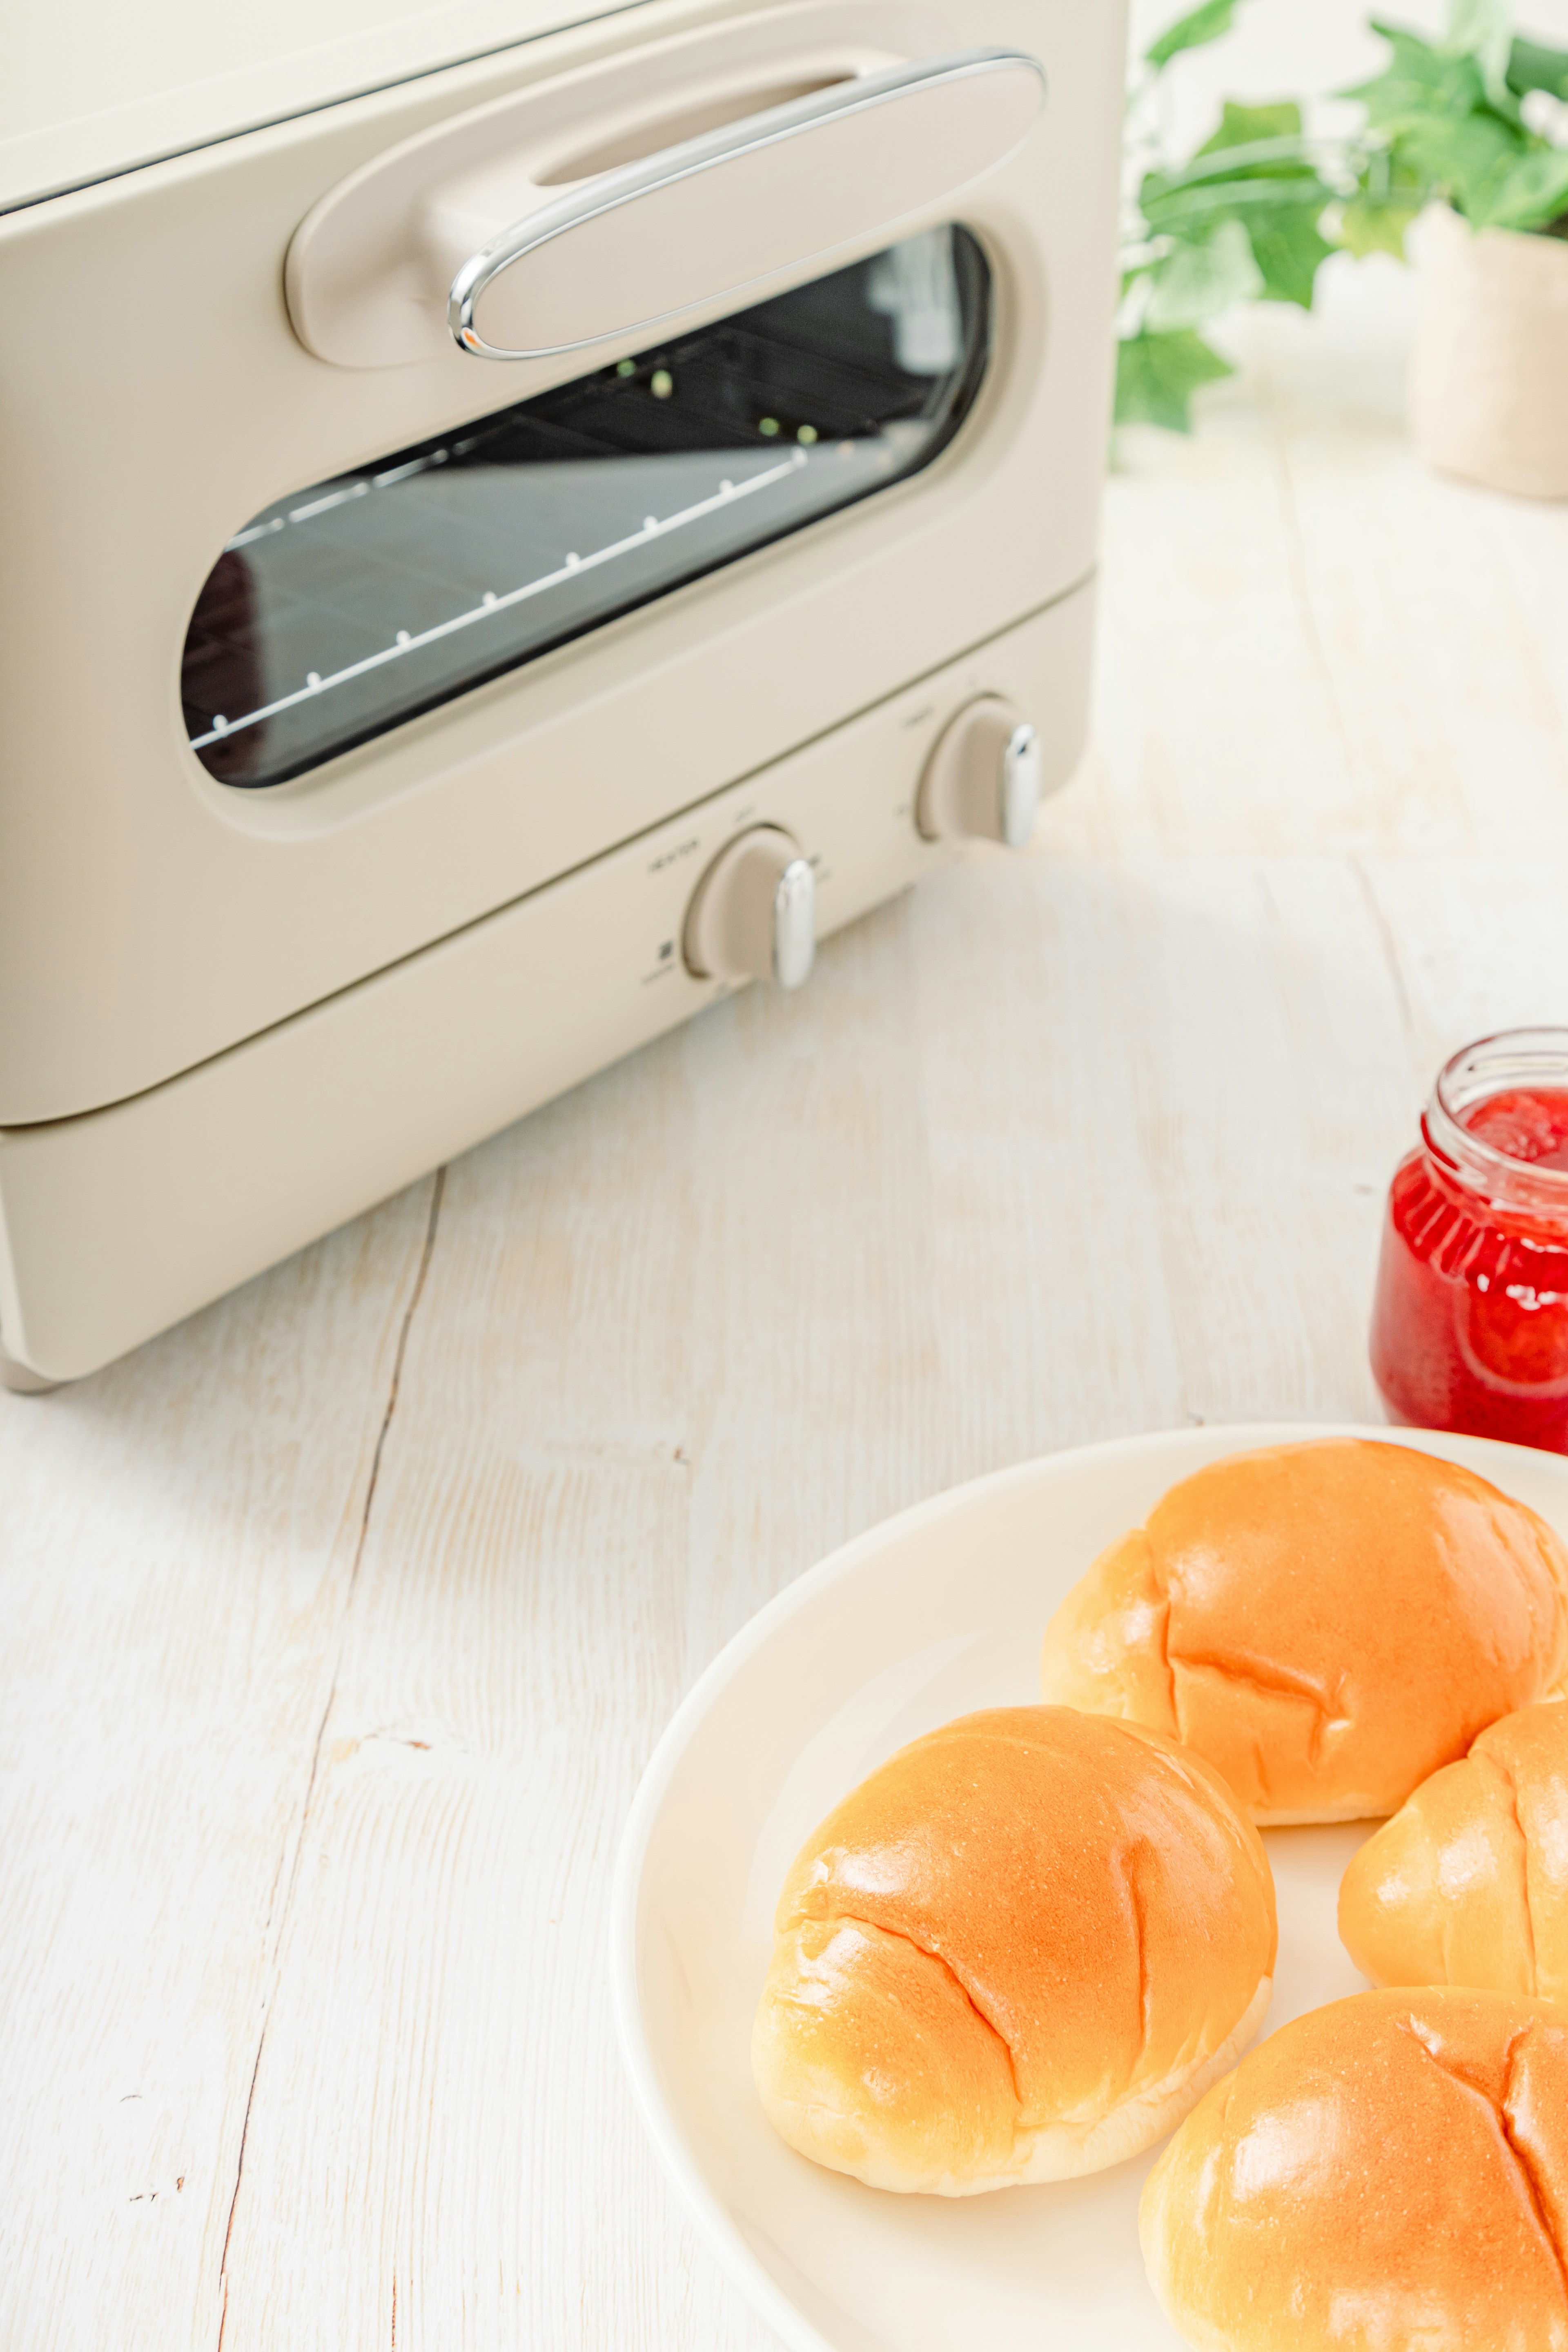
(519, 520)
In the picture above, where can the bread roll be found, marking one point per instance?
(1389, 2174)
(1018, 1951)
(1326, 1622)
(1468, 1884)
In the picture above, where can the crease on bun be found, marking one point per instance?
(1468, 1884)
(1328, 1623)
(1017, 1952)
(1389, 2171)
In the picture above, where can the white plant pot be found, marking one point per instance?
(1489, 393)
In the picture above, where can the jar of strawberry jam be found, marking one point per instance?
(1469, 1329)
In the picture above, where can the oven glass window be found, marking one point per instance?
(339, 612)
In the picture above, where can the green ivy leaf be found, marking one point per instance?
(1372, 224)
(1253, 172)
(1197, 281)
(1388, 193)
(1531, 196)
(1191, 32)
(1215, 166)
(1288, 246)
(1246, 126)
(1483, 29)
(1156, 376)
(1454, 126)
(1531, 66)
(1418, 84)
(1468, 156)
(1191, 211)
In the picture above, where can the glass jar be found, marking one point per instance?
(1469, 1328)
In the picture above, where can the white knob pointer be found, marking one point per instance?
(983, 781)
(754, 914)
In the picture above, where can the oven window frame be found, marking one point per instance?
(965, 399)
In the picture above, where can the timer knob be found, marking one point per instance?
(754, 914)
(983, 781)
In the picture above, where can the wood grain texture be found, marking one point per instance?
(340, 1622)
(178, 1539)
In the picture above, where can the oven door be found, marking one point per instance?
(327, 633)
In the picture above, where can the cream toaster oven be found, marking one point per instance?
(518, 519)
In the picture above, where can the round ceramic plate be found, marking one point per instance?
(936, 1612)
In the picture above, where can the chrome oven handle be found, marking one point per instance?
(795, 181)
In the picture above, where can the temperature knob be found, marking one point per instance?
(754, 914)
(983, 781)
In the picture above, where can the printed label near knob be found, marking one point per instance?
(754, 914)
(983, 781)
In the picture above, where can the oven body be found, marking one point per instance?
(239, 1005)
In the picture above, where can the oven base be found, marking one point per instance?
(117, 1224)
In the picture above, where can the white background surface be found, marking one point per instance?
(339, 1623)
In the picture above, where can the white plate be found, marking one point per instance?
(936, 1612)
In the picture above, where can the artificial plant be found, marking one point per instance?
(1256, 211)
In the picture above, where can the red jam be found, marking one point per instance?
(1470, 1325)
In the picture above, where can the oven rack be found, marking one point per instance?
(728, 494)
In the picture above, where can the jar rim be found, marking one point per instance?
(1492, 1065)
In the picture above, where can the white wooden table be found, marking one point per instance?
(339, 1623)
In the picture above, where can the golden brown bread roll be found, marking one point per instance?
(1326, 1622)
(1018, 1951)
(1468, 1884)
(1389, 2174)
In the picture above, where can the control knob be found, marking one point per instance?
(983, 781)
(754, 914)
